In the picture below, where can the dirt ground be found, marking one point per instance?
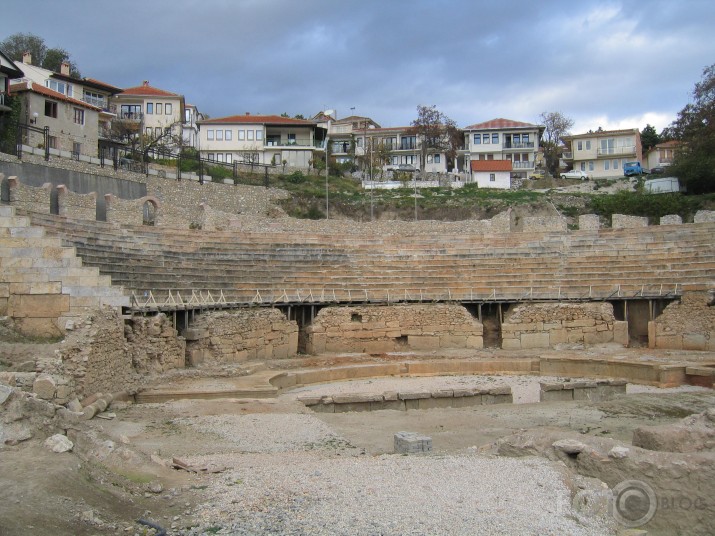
(42, 493)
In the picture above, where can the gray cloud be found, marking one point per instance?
(601, 63)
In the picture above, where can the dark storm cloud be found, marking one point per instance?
(609, 64)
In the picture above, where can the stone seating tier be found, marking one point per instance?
(239, 264)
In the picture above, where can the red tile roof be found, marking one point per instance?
(42, 90)
(257, 119)
(96, 82)
(145, 90)
(601, 133)
(491, 165)
(499, 124)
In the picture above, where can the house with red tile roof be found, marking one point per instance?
(503, 139)
(492, 173)
(156, 113)
(261, 139)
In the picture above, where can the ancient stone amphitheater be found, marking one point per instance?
(235, 286)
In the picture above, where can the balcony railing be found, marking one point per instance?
(95, 101)
(287, 143)
(567, 155)
(131, 116)
(522, 165)
(609, 151)
(519, 145)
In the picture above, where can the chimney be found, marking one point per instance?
(65, 68)
(146, 83)
(27, 58)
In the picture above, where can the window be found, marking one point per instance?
(149, 131)
(590, 166)
(59, 87)
(187, 115)
(76, 148)
(157, 132)
(485, 138)
(583, 166)
(616, 164)
(219, 157)
(408, 142)
(228, 135)
(241, 135)
(249, 133)
(159, 108)
(209, 135)
(291, 137)
(516, 139)
(588, 145)
(53, 142)
(149, 108)
(490, 157)
(436, 159)
(525, 138)
(131, 111)
(607, 165)
(608, 146)
(167, 108)
(219, 135)
(50, 108)
(212, 157)
(429, 159)
(477, 139)
(492, 177)
(495, 138)
(79, 116)
(259, 135)
(579, 146)
(229, 158)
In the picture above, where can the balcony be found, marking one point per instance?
(567, 155)
(131, 116)
(96, 101)
(519, 145)
(522, 165)
(294, 144)
(617, 151)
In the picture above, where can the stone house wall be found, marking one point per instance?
(235, 336)
(544, 325)
(685, 325)
(376, 329)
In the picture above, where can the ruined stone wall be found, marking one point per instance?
(541, 224)
(26, 197)
(685, 325)
(589, 222)
(704, 216)
(235, 336)
(124, 211)
(375, 329)
(216, 220)
(544, 325)
(621, 221)
(671, 219)
(81, 206)
(154, 344)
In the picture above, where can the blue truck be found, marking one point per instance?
(633, 168)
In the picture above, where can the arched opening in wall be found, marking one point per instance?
(149, 210)
(5, 191)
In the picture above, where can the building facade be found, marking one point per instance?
(661, 155)
(503, 139)
(261, 139)
(603, 153)
(8, 71)
(491, 173)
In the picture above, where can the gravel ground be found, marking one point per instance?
(325, 494)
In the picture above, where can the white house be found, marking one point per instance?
(492, 173)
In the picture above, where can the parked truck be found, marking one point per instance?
(633, 168)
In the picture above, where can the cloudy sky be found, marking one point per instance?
(613, 64)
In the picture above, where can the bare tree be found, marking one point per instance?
(556, 125)
(435, 131)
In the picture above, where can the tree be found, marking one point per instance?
(649, 138)
(435, 131)
(556, 125)
(694, 161)
(47, 58)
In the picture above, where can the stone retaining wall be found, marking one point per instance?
(377, 329)
(405, 400)
(545, 325)
(124, 211)
(230, 337)
(30, 198)
(621, 221)
(81, 206)
(688, 324)
(704, 216)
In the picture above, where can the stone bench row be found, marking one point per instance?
(406, 400)
(593, 391)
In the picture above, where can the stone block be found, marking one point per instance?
(356, 398)
(195, 334)
(558, 336)
(412, 443)
(511, 344)
(534, 340)
(443, 393)
(412, 404)
(694, 341)
(497, 399)
(423, 342)
(562, 395)
(44, 387)
(413, 395)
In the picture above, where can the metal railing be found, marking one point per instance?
(519, 145)
(616, 151)
(218, 298)
(523, 165)
(95, 101)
